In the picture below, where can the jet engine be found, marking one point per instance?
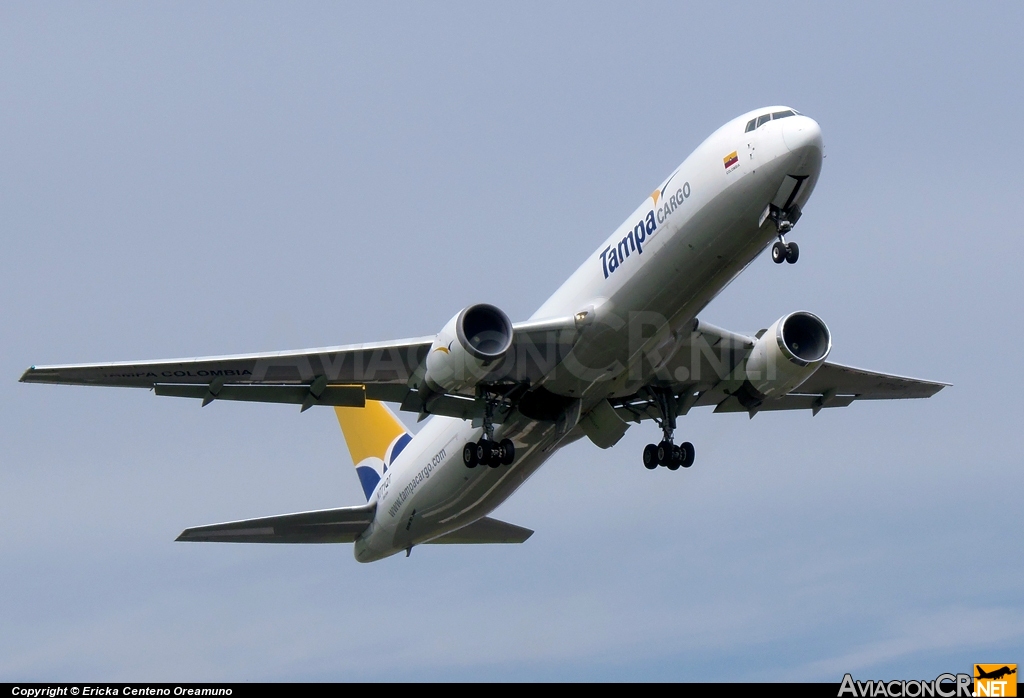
(787, 354)
(468, 347)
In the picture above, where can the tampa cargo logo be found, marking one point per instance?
(615, 255)
(988, 681)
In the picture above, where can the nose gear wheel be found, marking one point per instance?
(785, 252)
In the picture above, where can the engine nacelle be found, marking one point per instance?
(468, 347)
(787, 354)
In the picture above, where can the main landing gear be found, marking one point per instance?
(667, 453)
(487, 451)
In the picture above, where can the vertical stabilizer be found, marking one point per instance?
(375, 437)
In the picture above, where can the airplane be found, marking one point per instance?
(619, 343)
(995, 674)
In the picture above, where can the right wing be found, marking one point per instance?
(832, 385)
(699, 371)
(324, 526)
(866, 385)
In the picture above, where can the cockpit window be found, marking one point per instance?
(765, 118)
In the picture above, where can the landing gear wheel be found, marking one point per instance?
(687, 454)
(487, 452)
(650, 456)
(483, 452)
(664, 453)
(676, 459)
(780, 253)
(469, 455)
(494, 454)
(792, 253)
(508, 451)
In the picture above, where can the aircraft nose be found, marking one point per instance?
(802, 132)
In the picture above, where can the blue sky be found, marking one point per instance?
(203, 179)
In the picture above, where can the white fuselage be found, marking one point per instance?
(701, 228)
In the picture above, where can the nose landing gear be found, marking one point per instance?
(785, 252)
(781, 250)
(667, 453)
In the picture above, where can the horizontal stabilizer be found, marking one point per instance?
(324, 526)
(486, 530)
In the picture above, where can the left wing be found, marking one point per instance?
(285, 376)
(343, 376)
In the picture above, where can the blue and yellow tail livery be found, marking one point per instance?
(375, 437)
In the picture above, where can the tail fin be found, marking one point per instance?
(375, 437)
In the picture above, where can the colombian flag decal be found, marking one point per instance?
(732, 160)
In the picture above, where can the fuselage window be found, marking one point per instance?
(751, 125)
(782, 114)
(762, 119)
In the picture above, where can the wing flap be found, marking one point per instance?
(323, 526)
(787, 402)
(334, 395)
(483, 531)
